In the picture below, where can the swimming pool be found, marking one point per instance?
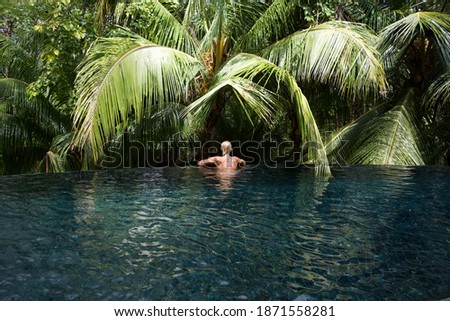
(371, 233)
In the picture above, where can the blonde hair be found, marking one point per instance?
(226, 147)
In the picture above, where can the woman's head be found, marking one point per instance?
(226, 147)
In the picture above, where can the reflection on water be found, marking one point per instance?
(371, 233)
(222, 179)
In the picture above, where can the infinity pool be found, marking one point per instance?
(371, 233)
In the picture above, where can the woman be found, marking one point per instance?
(226, 161)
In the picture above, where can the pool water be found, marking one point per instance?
(371, 233)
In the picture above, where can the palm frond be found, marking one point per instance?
(105, 9)
(198, 17)
(216, 32)
(228, 23)
(161, 122)
(249, 94)
(159, 26)
(20, 62)
(13, 90)
(373, 14)
(61, 144)
(250, 77)
(341, 144)
(397, 37)
(51, 163)
(242, 15)
(121, 77)
(275, 23)
(340, 54)
(36, 110)
(383, 136)
(28, 126)
(438, 93)
(235, 16)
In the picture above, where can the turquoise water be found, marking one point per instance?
(371, 233)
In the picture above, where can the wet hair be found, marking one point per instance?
(226, 147)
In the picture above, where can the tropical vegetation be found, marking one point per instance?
(140, 83)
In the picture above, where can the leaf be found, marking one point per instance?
(383, 136)
(249, 94)
(276, 22)
(37, 110)
(373, 14)
(341, 54)
(397, 37)
(52, 163)
(161, 27)
(19, 60)
(438, 93)
(161, 122)
(121, 77)
(250, 77)
(28, 126)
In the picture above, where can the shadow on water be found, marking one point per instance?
(371, 233)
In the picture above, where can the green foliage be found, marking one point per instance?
(121, 77)
(65, 33)
(415, 51)
(47, 41)
(212, 33)
(278, 21)
(153, 21)
(317, 12)
(341, 54)
(28, 126)
(74, 83)
(128, 76)
(385, 135)
(438, 93)
(40, 49)
(396, 38)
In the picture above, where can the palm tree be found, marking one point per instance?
(214, 53)
(35, 126)
(29, 127)
(406, 129)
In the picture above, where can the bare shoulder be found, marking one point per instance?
(211, 160)
(239, 161)
(216, 159)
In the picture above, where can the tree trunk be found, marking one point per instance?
(295, 135)
(214, 117)
(212, 121)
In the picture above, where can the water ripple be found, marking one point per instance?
(372, 233)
